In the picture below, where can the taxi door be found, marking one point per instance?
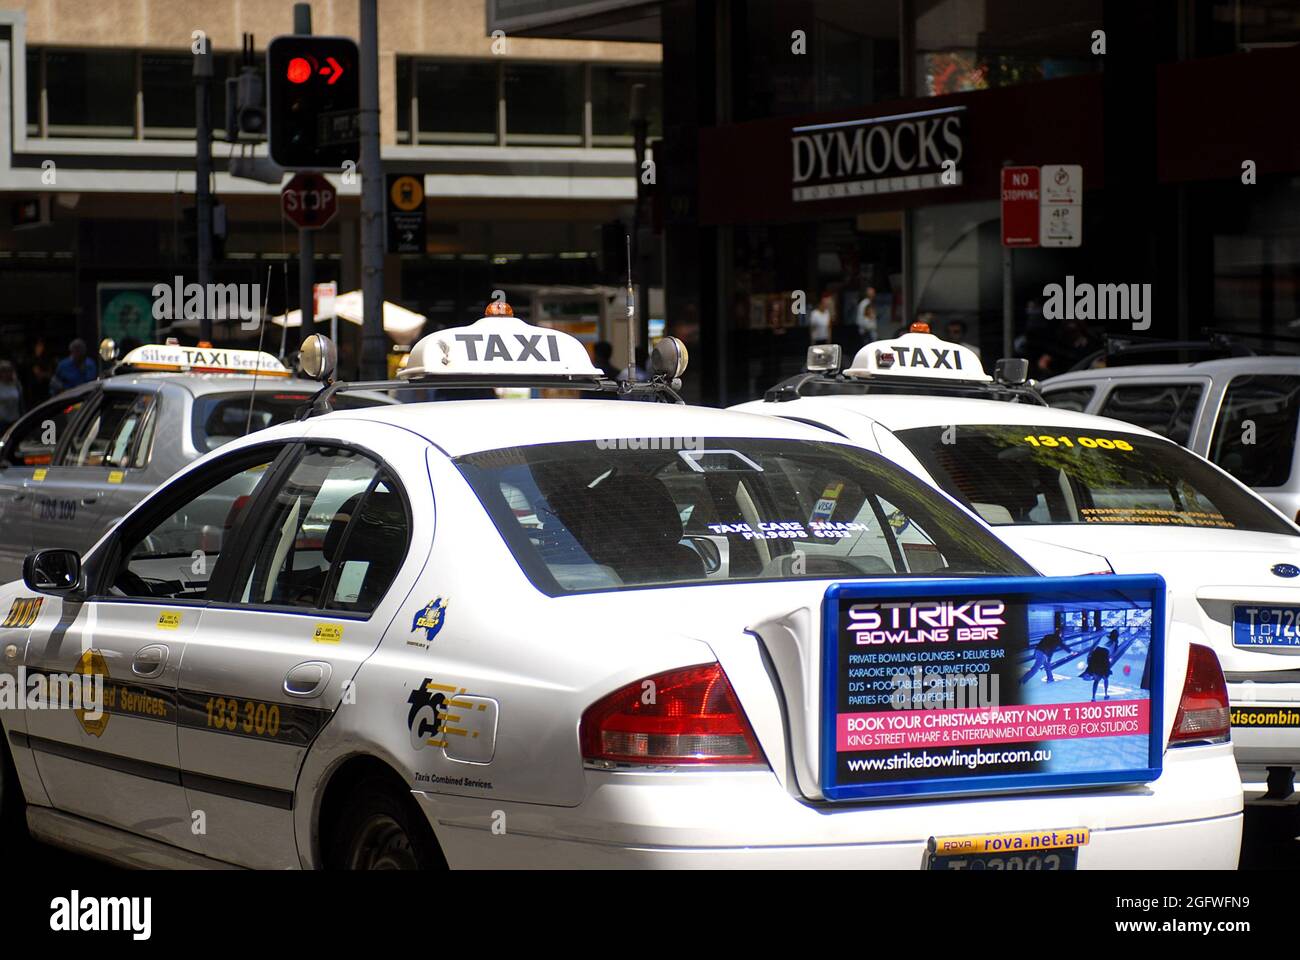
(147, 588)
(329, 568)
(24, 464)
(69, 504)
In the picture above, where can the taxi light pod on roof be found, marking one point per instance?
(498, 346)
(175, 358)
(920, 355)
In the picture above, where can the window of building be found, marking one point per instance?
(456, 102)
(962, 45)
(611, 101)
(547, 104)
(120, 95)
(91, 93)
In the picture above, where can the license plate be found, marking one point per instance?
(1066, 858)
(1261, 626)
(1027, 850)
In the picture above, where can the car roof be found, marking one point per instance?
(1223, 367)
(469, 426)
(904, 413)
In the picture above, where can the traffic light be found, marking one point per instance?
(314, 101)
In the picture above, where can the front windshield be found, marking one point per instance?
(595, 515)
(1023, 475)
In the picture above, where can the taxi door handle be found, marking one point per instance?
(308, 679)
(91, 501)
(149, 661)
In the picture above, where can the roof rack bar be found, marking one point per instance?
(322, 401)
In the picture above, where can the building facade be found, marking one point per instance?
(523, 147)
(805, 143)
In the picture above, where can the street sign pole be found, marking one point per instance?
(374, 346)
(203, 177)
(306, 238)
(1008, 308)
(1020, 187)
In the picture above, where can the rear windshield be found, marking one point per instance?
(1023, 475)
(222, 417)
(1254, 436)
(583, 517)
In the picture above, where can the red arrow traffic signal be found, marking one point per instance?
(335, 67)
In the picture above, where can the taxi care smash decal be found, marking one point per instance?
(978, 685)
(429, 619)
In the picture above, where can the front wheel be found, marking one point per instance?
(13, 820)
(385, 830)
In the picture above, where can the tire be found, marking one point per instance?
(384, 829)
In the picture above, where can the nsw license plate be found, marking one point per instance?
(1255, 625)
(1029, 850)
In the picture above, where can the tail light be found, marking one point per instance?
(679, 717)
(1203, 714)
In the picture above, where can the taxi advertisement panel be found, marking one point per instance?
(965, 686)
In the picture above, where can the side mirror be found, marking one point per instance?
(319, 357)
(668, 358)
(1011, 370)
(52, 571)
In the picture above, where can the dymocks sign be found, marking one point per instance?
(893, 154)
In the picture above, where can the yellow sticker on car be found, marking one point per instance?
(39, 474)
(976, 843)
(169, 620)
(328, 633)
(23, 612)
(116, 476)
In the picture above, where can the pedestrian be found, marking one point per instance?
(1043, 651)
(11, 395)
(955, 330)
(39, 370)
(74, 369)
(865, 315)
(604, 354)
(819, 321)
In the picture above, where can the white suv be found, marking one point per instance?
(1240, 413)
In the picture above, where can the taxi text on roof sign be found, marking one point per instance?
(155, 356)
(501, 346)
(921, 355)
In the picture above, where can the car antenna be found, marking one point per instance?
(261, 333)
(631, 316)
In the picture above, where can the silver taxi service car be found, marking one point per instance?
(74, 465)
(585, 632)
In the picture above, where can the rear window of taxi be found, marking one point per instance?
(1036, 474)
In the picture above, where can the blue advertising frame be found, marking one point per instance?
(1144, 587)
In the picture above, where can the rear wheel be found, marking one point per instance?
(383, 829)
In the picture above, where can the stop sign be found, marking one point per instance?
(308, 201)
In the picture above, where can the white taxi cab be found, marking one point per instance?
(1042, 476)
(562, 633)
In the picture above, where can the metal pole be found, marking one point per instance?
(640, 126)
(203, 177)
(306, 282)
(306, 238)
(374, 345)
(1008, 303)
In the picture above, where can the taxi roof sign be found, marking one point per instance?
(174, 358)
(920, 356)
(499, 345)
